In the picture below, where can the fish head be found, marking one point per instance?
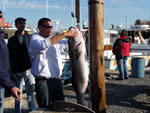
(76, 42)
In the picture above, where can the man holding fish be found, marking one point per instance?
(44, 51)
(45, 55)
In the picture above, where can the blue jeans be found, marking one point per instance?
(123, 69)
(29, 81)
(2, 92)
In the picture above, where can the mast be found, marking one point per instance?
(122, 15)
(126, 21)
(72, 12)
(149, 14)
(46, 8)
(4, 6)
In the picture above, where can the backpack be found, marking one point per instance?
(117, 49)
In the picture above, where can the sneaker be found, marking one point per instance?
(119, 79)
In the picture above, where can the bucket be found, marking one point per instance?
(64, 107)
(138, 67)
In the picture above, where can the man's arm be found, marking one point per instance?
(5, 71)
(69, 33)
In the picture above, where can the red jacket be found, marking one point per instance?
(122, 43)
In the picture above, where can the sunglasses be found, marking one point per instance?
(21, 22)
(1, 16)
(47, 26)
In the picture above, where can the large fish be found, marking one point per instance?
(79, 66)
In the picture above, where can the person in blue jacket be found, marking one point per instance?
(20, 63)
(5, 81)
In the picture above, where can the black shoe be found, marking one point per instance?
(119, 79)
(126, 78)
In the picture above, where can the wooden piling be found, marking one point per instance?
(97, 70)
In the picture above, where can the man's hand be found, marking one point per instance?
(71, 33)
(15, 91)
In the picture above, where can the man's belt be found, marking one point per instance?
(40, 79)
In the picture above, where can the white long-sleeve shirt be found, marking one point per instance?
(46, 58)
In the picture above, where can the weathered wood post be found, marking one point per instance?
(96, 26)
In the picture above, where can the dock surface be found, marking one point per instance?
(127, 96)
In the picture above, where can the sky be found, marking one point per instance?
(125, 12)
(116, 12)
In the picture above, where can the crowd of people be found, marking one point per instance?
(34, 59)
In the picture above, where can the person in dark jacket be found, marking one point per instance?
(20, 62)
(5, 81)
(121, 50)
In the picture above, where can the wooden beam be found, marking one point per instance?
(107, 47)
(78, 10)
(97, 71)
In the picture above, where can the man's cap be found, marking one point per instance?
(0, 12)
(19, 19)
